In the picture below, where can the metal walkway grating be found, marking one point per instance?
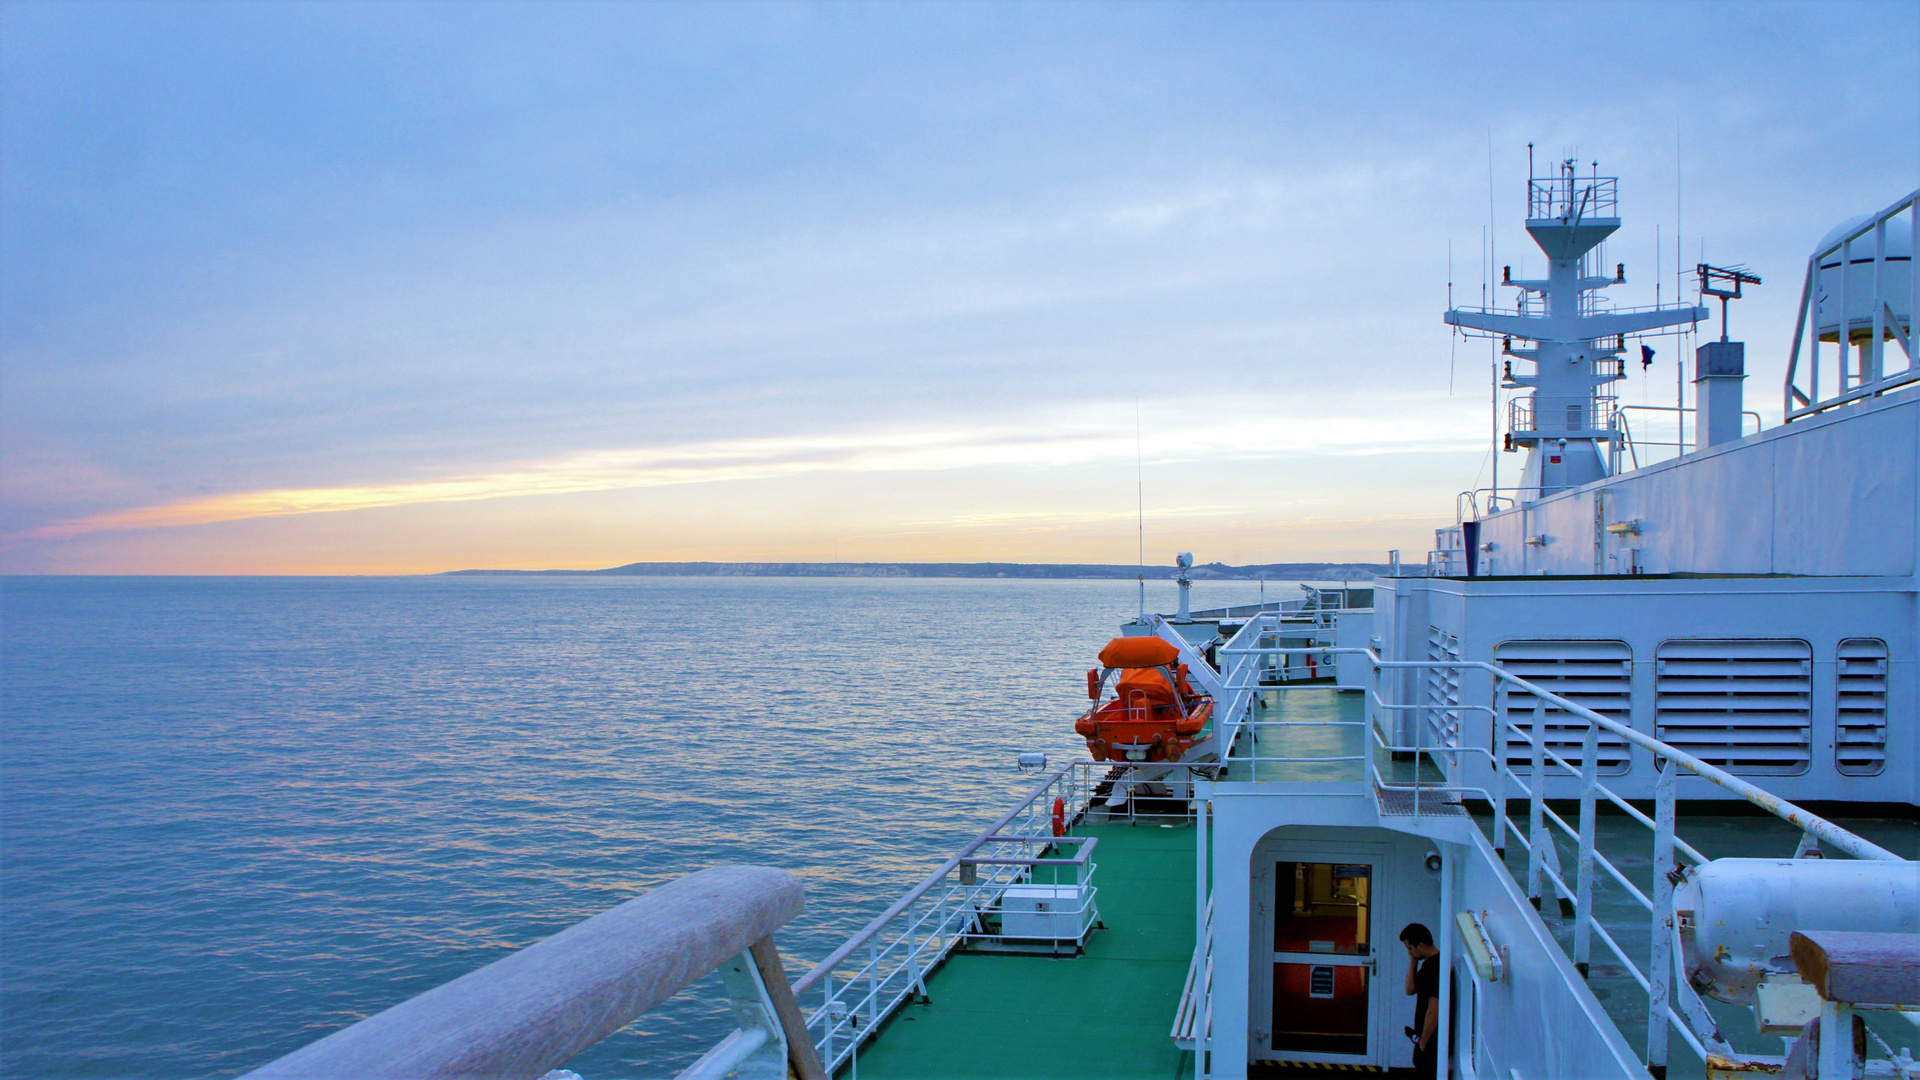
(1398, 802)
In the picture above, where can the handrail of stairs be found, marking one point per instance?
(534, 1010)
(1189, 1023)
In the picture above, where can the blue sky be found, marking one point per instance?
(386, 287)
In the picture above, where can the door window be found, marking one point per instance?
(1322, 927)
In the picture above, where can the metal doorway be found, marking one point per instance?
(1318, 992)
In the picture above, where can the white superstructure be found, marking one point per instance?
(1738, 623)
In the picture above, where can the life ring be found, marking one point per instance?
(1059, 816)
(1093, 684)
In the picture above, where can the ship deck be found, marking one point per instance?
(1317, 734)
(1103, 1014)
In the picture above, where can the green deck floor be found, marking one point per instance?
(1104, 1014)
(1288, 724)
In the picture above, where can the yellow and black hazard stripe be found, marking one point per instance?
(1312, 1066)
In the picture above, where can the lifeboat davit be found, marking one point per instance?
(1154, 713)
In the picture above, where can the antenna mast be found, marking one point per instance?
(1140, 493)
(1566, 423)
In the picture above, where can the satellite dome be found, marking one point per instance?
(1896, 277)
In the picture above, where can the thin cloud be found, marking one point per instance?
(1051, 444)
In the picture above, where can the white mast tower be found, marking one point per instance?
(1576, 349)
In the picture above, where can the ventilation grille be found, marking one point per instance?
(1443, 689)
(1594, 674)
(1743, 705)
(1860, 721)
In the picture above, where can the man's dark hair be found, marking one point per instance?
(1416, 934)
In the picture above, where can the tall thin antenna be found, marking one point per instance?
(1493, 422)
(1140, 492)
(1454, 347)
(1679, 290)
(1493, 242)
(1679, 219)
(1493, 358)
(1656, 264)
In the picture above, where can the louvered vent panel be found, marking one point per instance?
(1860, 721)
(1744, 705)
(1596, 674)
(1443, 689)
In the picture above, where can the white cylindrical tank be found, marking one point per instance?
(1896, 279)
(1744, 910)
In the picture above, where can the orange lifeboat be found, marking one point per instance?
(1154, 713)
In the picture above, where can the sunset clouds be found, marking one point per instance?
(410, 287)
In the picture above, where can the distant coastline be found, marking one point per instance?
(1304, 571)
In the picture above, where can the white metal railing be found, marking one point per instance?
(1671, 1002)
(1626, 446)
(885, 965)
(1860, 368)
(1584, 417)
(1191, 1024)
(1466, 505)
(1572, 197)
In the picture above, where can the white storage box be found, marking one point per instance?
(1047, 912)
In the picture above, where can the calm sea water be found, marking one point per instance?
(237, 814)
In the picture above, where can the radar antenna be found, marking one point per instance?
(1724, 282)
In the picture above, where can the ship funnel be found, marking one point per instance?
(1719, 369)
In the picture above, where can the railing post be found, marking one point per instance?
(1660, 962)
(1537, 810)
(1199, 870)
(1422, 675)
(1497, 742)
(1836, 1040)
(1419, 741)
(1203, 1038)
(1583, 900)
(1846, 324)
(914, 981)
(826, 1010)
(1876, 349)
(1373, 701)
(1813, 324)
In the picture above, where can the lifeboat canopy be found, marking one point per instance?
(1139, 652)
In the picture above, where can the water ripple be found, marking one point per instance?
(237, 814)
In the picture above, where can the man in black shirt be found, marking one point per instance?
(1423, 983)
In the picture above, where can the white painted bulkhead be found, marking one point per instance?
(1654, 628)
(1542, 1023)
(1794, 548)
(1837, 494)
